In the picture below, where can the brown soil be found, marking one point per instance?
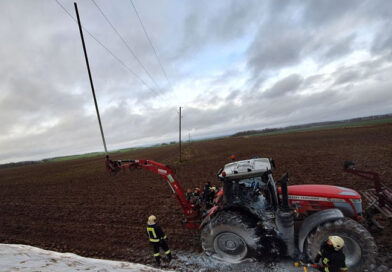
(75, 206)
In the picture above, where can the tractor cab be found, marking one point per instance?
(249, 184)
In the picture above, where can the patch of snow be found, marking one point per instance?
(22, 258)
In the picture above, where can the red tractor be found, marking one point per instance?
(252, 217)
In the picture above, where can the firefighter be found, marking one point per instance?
(210, 200)
(331, 255)
(206, 191)
(196, 197)
(158, 239)
(188, 195)
(208, 195)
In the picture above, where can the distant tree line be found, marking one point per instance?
(269, 130)
(16, 164)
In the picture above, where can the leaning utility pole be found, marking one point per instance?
(90, 77)
(179, 140)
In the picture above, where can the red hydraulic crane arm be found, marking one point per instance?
(192, 216)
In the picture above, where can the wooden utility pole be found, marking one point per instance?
(90, 77)
(179, 140)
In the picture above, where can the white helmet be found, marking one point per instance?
(337, 242)
(151, 220)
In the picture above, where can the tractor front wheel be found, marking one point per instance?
(230, 236)
(359, 246)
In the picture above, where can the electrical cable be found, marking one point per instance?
(107, 49)
(152, 46)
(125, 43)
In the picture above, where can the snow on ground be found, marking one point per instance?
(23, 258)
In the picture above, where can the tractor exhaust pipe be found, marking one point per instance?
(285, 195)
(285, 219)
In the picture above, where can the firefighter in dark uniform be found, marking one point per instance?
(207, 195)
(332, 256)
(206, 191)
(158, 239)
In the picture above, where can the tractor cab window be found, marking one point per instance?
(251, 192)
(256, 183)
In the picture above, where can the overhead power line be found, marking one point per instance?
(107, 49)
(125, 43)
(152, 46)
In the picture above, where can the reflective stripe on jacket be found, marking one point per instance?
(155, 233)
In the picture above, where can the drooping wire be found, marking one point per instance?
(152, 46)
(107, 49)
(125, 43)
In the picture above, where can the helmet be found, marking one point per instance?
(151, 220)
(337, 242)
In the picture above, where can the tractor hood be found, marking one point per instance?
(312, 198)
(321, 191)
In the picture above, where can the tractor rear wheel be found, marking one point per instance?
(230, 236)
(359, 246)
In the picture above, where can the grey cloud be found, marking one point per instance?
(320, 30)
(228, 74)
(71, 135)
(30, 101)
(282, 48)
(233, 95)
(323, 11)
(205, 24)
(311, 80)
(374, 69)
(380, 9)
(286, 85)
(340, 47)
(347, 76)
(383, 40)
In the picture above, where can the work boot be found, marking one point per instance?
(169, 257)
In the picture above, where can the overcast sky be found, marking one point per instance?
(231, 65)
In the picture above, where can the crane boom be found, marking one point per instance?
(191, 213)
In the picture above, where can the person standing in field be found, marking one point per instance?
(158, 239)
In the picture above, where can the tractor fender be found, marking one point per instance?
(215, 209)
(207, 218)
(315, 220)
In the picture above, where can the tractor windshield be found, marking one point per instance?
(252, 192)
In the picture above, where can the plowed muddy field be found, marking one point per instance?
(75, 206)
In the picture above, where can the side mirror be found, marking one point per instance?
(348, 165)
(272, 162)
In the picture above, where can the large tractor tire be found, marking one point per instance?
(230, 236)
(359, 246)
